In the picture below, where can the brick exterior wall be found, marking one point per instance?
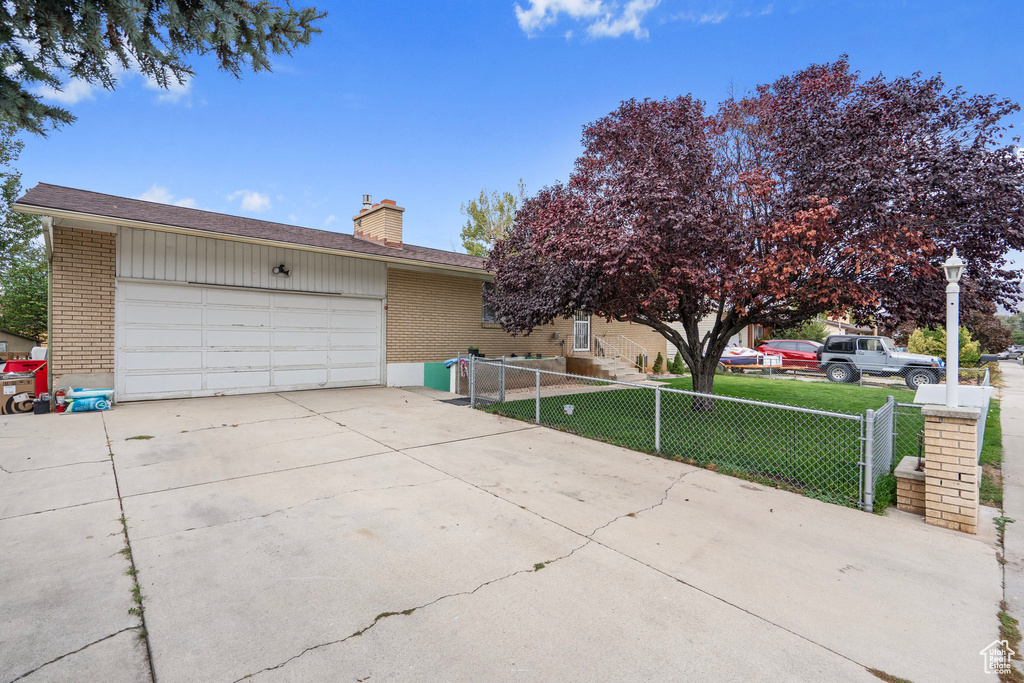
(82, 322)
(431, 317)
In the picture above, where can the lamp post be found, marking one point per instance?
(954, 268)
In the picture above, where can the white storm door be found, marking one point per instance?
(581, 332)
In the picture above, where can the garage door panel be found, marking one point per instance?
(238, 297)
(146, 337)
(300, 338)
(238, 338)
(188, 340)
(164, 360)
(238, 380)
(163, 383)
(283, 358)
(141, 314)
(300, 377)
(355, 321)
(238, 359)
(354, 357)
(244, 317)
(140, 291)
(355, 305)
(358, 374)
(300, 302)
(300, 318)
(355, 339)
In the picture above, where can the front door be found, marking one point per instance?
(581, 332)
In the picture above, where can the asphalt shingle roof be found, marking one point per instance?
(46, 196)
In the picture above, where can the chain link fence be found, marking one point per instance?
(838, 457)
(861, 373)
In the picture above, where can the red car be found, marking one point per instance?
(796, 353)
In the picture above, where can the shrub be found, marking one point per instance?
(658, 362)
(677, 365)
(933, 343)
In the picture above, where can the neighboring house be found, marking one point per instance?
(842, 325)
(16, 343)
(160, 301)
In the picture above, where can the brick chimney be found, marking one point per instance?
(380, 223)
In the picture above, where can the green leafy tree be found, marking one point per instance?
(812, 330)
(17, 230)
(1014, 323)
(43, 42)
(23, 298)
(489, 217)
(22, 262)
(932, 342)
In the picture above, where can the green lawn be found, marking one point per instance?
(992, 459)
(838, 398)
(812, 454)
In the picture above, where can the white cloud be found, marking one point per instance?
(629, 21)
(174, 92)
(603, 18)
(330, 219)
(541, 13)
(72, 93)
(251, 201)
(162, 195)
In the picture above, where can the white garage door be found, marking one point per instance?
(178, 340)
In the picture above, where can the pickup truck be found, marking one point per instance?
(844, 358)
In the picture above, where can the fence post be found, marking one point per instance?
(537, 417)
(501, 381)
(472, 381)
(657, 419)
(869, 458)
(458, 374)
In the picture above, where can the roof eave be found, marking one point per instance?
(146, 225)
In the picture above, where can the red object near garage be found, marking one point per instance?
(37, 367)
(796, 353)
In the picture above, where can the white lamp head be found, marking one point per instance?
(954, 268)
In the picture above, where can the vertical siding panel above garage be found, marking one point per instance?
(204, 260)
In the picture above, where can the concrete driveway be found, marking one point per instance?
(380, 534)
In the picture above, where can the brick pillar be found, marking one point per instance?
(951, 467)
(910, 487)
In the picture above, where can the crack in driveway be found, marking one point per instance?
(536, 567)
(408, 611)
(73, 652)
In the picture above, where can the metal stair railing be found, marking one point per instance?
(618, 348)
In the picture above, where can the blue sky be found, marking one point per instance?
(428, 102)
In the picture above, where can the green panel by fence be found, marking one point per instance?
(436, 376)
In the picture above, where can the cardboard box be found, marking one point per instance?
(16, 395)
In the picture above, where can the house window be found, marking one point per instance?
(487, 314)
(3, 347)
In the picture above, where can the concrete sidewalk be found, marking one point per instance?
(381, 534)
(1013, 484)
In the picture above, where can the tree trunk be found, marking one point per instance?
(704, 383)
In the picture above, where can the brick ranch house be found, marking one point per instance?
(160, 301)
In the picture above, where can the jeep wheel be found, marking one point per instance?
(919, 377)
(840, 372)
